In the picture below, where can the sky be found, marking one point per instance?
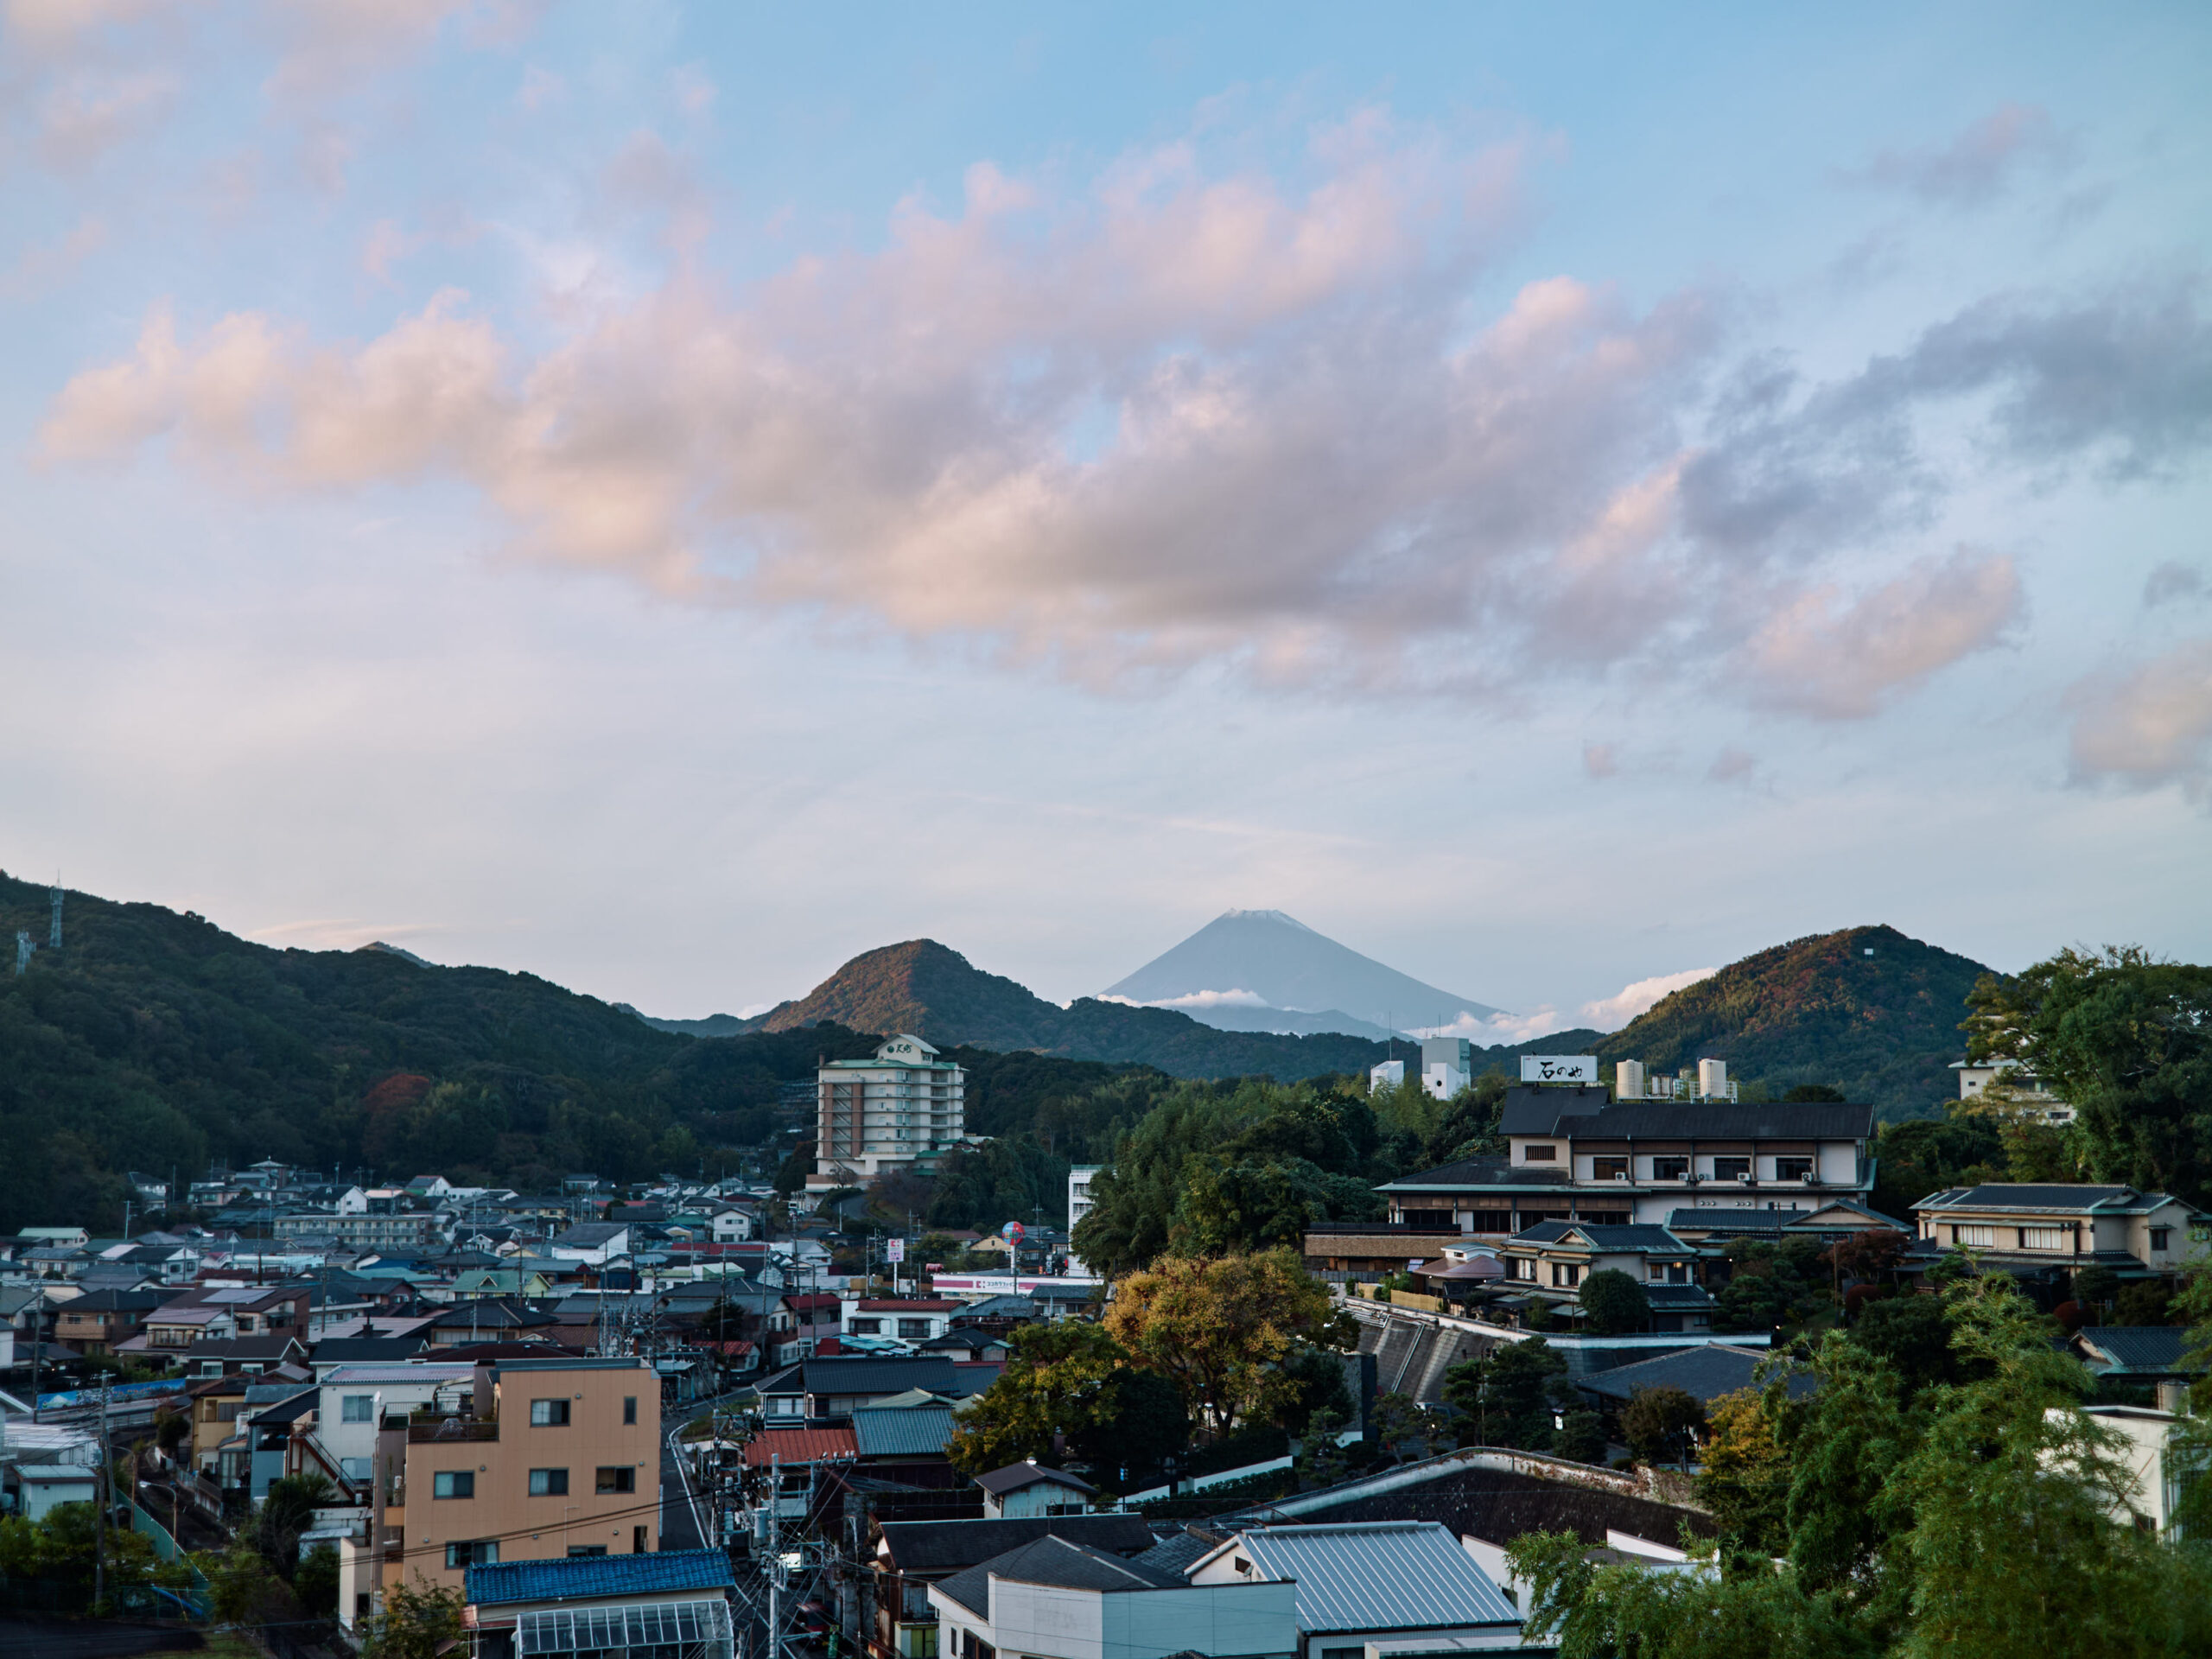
(667, 497)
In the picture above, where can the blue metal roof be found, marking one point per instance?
(584, 1576)
(902, 1431)
(1377, 1575)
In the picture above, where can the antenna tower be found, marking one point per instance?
(23, 949)
(54, 943)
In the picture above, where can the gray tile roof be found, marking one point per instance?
(1580, 1113)
(1704, 1373)
(2071, 1199)
(1377, 1576)
(841, 1374)
(1015, 1476)
(928, 1547)
(1060, 1564)
(2150, 1349)
(1472, 1173)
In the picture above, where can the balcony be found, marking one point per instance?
(439, 1430)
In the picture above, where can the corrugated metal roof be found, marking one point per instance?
(918, 1431)
(580, 1577)
(2140, 1347)
(1379, 1575)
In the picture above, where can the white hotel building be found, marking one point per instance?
(902, 1109)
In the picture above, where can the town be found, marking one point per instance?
(726, 1417)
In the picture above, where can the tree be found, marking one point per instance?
(1744, 1474)
(1660, 1423)
(417, 1621)
(1402, 1428)
(1614, 1304)
(1580, 1437)
(1504, 1394)
(315, 1582)
(2095, 1287)
(1138, 1423)
(1927, 1155)
(1314, 1382)
(1220, 1328)
(240, 1587)
(1055, 1383)
(1772, 1287)
(288, 1512)
(1806, 1094)
(2147, 1301)
(1321, 1461)
(2128, 1041)
(1913, 1335)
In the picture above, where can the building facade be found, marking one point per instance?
(2029, 1228)
(902, 1109)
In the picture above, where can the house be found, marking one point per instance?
(1021, 1489)
(1402, 1586)
(595, 1244)
(335, 1198)
(95, 1322)
(355, 1401)
(1716, 1226)
(909, 1556)
(2137, 1353)
(1349, 1251)
(2037, 1231)
(729, 1224)
(902, 1109)
(916, 1319)
(676, 1601)
(1550, 1261)
(1577, 1153)
(552, 1457)
(33, 1490)
(368, 1229)
(249, 1355)
(2162, 1461)
(1055, 1599)
(833, 1386)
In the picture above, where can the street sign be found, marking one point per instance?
(895, 1249)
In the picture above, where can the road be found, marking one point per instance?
(40, 1639)
(682, 1509)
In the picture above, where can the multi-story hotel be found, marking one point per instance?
(1579, 1154)
(902, 1109)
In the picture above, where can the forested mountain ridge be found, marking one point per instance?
(154, 1040)
(1865, 1010)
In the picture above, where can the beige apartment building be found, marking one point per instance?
(552, 1457)
(903, 1109)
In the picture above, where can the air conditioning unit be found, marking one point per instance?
(1749, 1181)
(1692, 1178)
(1812, 1179)
(1620, 1174)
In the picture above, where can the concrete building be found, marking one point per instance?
(1447, 1065)
(553, 1459)
(1388, 1074)
(356, 1400)
(2021, 1093)
(1079, 1178)
(902, 1109)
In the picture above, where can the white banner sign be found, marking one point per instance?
(1559, 1068)
(895, 1249)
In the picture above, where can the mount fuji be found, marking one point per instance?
(1262, 970)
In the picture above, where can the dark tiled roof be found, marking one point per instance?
(586, 1577)
(1476, 1172)
(2148, 1348)
(2004, 1195)
(1678, 1299)
(925, 1546)
(1571, 1112)
(365, 1351)
(861, 1374)
(1642, 1236)
(1176, 1552)
(1723, 1220)
(1063, 1565)
(1704, 1373)
(1015, 1476)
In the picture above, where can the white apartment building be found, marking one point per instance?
(1447, 1065)
(1079, 1192)
(902, 1109)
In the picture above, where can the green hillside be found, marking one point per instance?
(1866, 1010)
(156, 1041)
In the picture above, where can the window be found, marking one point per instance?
(355, 1468)
(453, 1483)
(575, 1550)
(1609, 1168)
(549, 1482)
(1793, 1169)
(356, 1409)
(1669, 1169)
(617, 1477)
(640, 1539)
(1539, 1154)
(1732, 1169)
(1566, 1273)
(2045, 1238)
(2160, 1236)
(629, 1408)
(915, 1328)
(867, 1327)
(485, 1554)
(1982, 1237)
(549, 1413)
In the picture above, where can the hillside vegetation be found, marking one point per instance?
(1883, 1028)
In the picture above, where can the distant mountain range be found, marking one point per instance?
(1262, 970)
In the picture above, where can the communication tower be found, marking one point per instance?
(54, 943)
(23, 949)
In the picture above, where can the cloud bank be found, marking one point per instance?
(1184, 416)
(2150, 724)
(1612, 1013)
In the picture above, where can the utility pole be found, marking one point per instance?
(102, 1481)
(38, 1344)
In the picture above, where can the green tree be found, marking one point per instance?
(1660, 1423)
(1580, 1437)
(1772, 1287)
(1503, 1396)
(1221, 1329)
(1055, 1383)
(288, 1512)
(416, 1621)
(2147, 1301)
(1321, 1461)
(1614, 1303)
(1402, 1427)
(1138, 1423)
(1744, 1474)
(2128, 1041)
(315, 1582)
(240, 1588)
(1914, 1335)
